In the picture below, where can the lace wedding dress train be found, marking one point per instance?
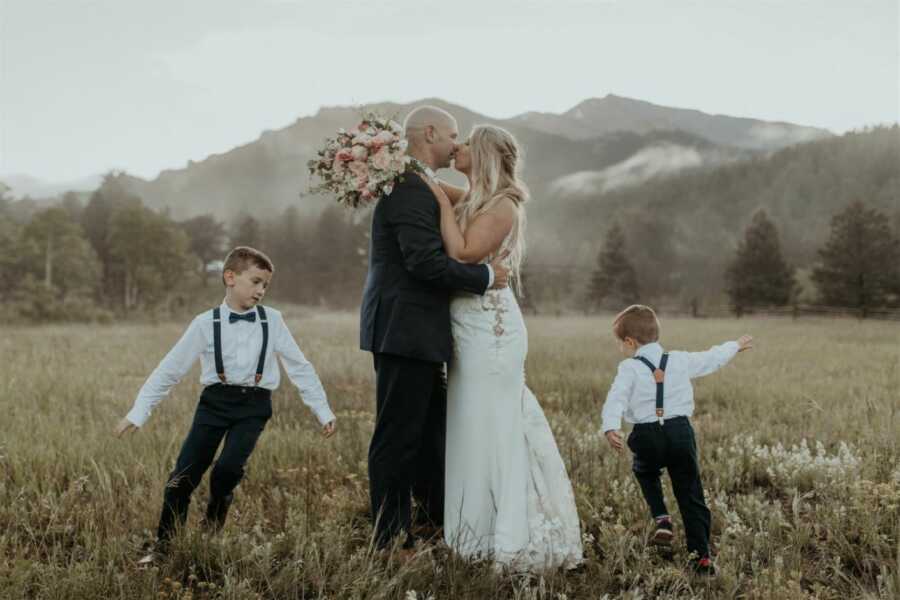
(508, 496)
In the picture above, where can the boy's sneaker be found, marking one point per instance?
(155, 553)
(154, 556)
(150, 559)
(704, 566)
(663, 534)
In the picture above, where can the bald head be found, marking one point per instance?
(431, 133)
(424, 116)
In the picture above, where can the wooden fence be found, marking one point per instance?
(795, 311)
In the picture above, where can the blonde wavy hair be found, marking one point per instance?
(495, 176)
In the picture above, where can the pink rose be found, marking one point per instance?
(382, 139)
(382, 159)
(360, 170)
(344, 155)
(366, 194)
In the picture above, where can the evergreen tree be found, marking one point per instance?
(614, 283)
(73, 206)
(207, 241)
(759, 275)
(4, 198)
(246, 231)
(289, 245)
(860, 263)
(338, 258)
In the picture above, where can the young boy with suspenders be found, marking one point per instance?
(652, 389)
(237, 343)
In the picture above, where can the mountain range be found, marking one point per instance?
(600, 144)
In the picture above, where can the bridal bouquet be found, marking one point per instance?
(360, 166)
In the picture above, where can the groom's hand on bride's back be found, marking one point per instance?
(501, 272)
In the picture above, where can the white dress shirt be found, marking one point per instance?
(241, 345)
(633, 391)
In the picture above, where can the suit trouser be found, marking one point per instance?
(672, 446)
(237, 414)
(406, 455)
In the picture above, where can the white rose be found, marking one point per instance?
(359, 153)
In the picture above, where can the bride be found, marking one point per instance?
(508, 497)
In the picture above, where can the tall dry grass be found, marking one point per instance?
(798, 442)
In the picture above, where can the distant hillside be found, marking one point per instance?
(682, 229)
(25, 185)
(599, 116)
(268, 174)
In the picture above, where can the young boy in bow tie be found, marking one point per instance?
(652, 389)
(237, 343)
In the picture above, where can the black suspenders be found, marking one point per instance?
(217, 343)
(262, 355)
(659, 374)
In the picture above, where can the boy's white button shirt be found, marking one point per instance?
(633, 391)
(241, 345)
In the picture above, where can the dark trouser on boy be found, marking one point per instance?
(237, 414)
(672, 446)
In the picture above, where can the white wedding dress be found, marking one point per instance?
(508, 497)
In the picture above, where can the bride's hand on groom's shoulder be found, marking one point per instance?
(438, 192)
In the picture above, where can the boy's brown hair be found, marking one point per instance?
(638, 322)
(242, 257)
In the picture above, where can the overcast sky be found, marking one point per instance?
(144, 85)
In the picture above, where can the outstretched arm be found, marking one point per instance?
(710, 361)
(170, 371)
(483, 236)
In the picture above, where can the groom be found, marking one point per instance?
(405, 323)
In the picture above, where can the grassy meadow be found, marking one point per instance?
(799, 442)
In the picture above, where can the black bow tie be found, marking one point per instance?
(250, 317)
